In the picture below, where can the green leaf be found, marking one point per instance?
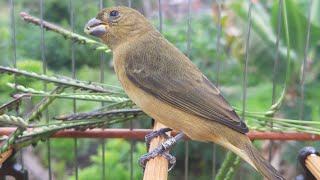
(298, 24)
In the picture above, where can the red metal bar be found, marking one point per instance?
(140, 133)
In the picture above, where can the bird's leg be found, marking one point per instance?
(160, 132)
(165, 146)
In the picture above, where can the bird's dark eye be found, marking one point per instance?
(114, 13)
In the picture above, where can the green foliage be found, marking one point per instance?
(117, 161)
(312, 101)
(298, 23)
(60, 169)
(262, 42)
(62, 154)
(64, 147)
(203, 54)
(57, 51)
(28, 65)
(203, 50)
(258, 98)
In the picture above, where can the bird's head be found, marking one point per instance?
(116, 25)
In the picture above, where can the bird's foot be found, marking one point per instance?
(161, 150)
(160, 132)
(165, 146)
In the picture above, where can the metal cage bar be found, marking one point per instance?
(138, 134)
(275, 68)
(73, 70)
(303, 73)
(102, 80)
(44, 71)
(217, 73)
(134, 134)
(186, 145)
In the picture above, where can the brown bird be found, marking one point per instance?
(165, 84)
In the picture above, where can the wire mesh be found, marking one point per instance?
(218, 44)
(186, 154)
(217, 73)
(14, 56)
(303, 73)
(245, 71)
(44, 71)
(102, 69)
(131, 128)
(73, 71)
(275, 69)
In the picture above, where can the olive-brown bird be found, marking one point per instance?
(165, 84)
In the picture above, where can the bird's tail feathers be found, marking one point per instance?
(261, 164)
(250, 154)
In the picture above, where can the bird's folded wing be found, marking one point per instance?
(192, 93)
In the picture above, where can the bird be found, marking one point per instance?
(168, 87)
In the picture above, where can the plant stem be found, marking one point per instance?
(225, 166)
(277, 105)
(5, 145)
(233, 168)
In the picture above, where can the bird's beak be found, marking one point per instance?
(95, 27)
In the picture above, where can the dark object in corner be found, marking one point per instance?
(11, 168)
(303, 155)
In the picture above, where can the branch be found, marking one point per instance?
(66, 82)
(65, 33)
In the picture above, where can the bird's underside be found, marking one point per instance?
(189, 91)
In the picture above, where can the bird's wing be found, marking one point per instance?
(187, 89)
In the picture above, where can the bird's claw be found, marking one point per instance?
(160, 132)
(171, 160)
(165, 146)
(161, 150)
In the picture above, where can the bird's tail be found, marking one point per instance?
(243, 147)
(261, 164)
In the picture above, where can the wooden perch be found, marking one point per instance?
(4, 156)
(156, 168)
(313, 164)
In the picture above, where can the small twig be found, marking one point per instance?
(42, 105)
(119, 105)
(45, 131)
(91, 115)
(67, 82)
(5, 145)
(15, 103)
(65, 33)
(101, 97)
(12, 120)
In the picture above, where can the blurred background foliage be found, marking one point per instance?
(203, 53)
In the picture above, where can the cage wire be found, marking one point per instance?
(219, 3)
